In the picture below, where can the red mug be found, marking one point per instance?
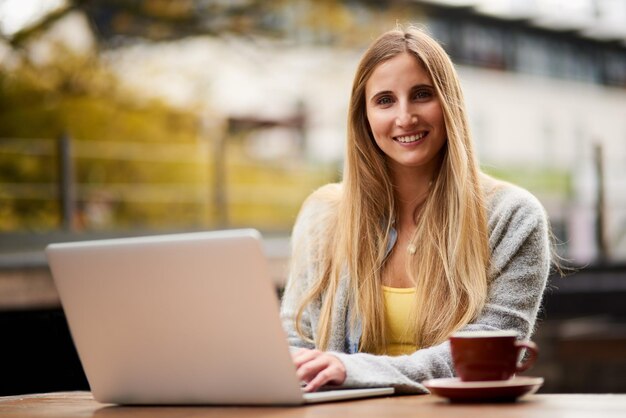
(490, 355)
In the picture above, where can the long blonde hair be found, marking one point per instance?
(450, 272)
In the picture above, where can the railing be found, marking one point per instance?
(57, 177)
(77, 183)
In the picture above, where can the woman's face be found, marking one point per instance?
(405, 114)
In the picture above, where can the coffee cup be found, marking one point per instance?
(490, 355)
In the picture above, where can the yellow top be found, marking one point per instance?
(400, 337)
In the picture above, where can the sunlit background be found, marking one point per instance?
(130, 117)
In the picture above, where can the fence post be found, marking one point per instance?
(220, 202)
(67, 194)
(601, 245)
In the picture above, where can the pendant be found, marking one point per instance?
(411, 249)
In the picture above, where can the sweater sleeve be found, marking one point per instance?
(520, 261)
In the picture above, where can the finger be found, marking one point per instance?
(307, 371)
(298, 353)
(323, 377)
(305, 356)
(334, 373)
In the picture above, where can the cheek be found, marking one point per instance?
(442, 122)
(377, 122)
(374, 132)
(371, 119)
(436, 117)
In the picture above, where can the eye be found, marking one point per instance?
(384, 100)
(423, 94)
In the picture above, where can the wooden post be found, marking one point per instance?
(600, 221)
(219, 179)
(67, 195)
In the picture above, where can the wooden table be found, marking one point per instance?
(82, 405)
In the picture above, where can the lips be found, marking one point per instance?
(407, 139)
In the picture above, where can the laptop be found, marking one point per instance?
(187, 318)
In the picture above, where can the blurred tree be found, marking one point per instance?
(343, 22)
(77, 95)
(137, 165)
(115, 21)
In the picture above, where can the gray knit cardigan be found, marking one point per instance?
(520, 262)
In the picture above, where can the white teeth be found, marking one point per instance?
(411, 138)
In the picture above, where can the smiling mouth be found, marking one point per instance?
(407, 139)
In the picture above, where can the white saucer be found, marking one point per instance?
(495, 390)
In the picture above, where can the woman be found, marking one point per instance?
(415, 243)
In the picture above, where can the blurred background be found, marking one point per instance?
(136, 117)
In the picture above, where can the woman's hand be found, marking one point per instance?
(318, 368)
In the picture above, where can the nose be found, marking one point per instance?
(406, 118)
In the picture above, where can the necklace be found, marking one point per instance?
(411, 248)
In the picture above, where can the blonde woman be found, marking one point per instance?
(415, 243)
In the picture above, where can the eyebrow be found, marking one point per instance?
(420, 86)
(380, 93)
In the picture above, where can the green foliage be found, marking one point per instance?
(271, 194)
(136, 166)
(538, 180)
